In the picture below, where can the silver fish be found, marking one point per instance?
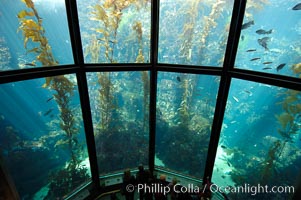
(297, 7)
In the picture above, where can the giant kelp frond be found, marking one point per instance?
(285, 119)
(253, 5)
(28, 3)
(257, 4)
(190, 16)
(184, 108)
(146, 91)
(296, 68)
(275, 151)
(33, 31)
(140, 57)
(109, 15)
(210, 21)
(93, 49)
(137, 27)
(99, 14)
(24, 13)
(291, 105)
(106, 101)
(118, 4)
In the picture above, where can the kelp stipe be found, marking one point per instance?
(137, 27)
(71, 176)
(184, 109)
(297, 69)
(33, 30)
(188, 31)
(106, 100)
(269, 165)
(108, 15)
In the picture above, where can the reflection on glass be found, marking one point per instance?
(119, 104)
(260, 140)
(270, 38)
(31, 36)
(185, 109)
(194, 32)
(115, 31)
(42, 141)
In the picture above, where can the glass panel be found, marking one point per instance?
(30, 35)
(120, 109)
(115, 31)
(185, 109)
(41, 137)
(260, 141)
(194, 32)
(270, 38)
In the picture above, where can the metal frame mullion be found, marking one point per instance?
(75, 37)
(231, 49)
(153, 82)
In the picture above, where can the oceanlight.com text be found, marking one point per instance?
(252, 189)
(194, 189)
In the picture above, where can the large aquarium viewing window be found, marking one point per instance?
(34, 36)
(270, 38)
(115, 31)
(266, 143)
(194, 32)
(42, 140)
(185, 108)
(193, 91)
(120, 113)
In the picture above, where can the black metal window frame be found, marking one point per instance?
(226, 74)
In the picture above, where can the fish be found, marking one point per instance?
(279, 67)
(228, 164)
(40, 113)
(265, 39)
(48, 112)
(268, 62)
(263, 32)
(103, 40)
(223, 146)
(265, 68)
(30, 64)
(247, 25)
(178, 79)
(263, 42)
(228, 172)
(251, 50)
(49, 99)
(242, 38)
(254, 59)
(236, 99)
(248, 92)
(297, 7)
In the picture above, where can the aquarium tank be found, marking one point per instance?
(207, 90)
